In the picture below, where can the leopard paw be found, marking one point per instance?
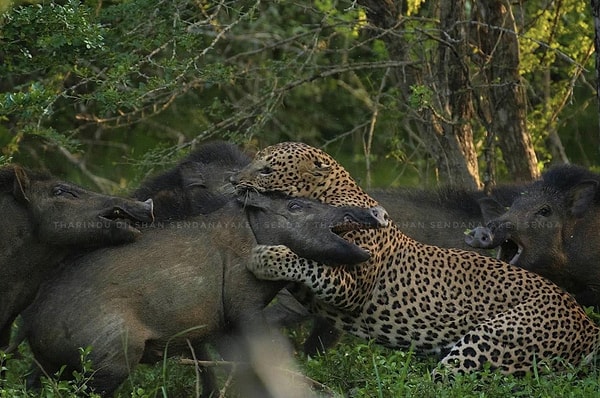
(268, 262)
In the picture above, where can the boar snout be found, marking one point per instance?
(480, 237)
(381, 215)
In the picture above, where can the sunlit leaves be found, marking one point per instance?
(59, 33)
(347, 21)
(420, 97)
(556, 49)
(413, 6)
(256, 70)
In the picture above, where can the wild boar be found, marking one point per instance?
(180, 280)
(551, 229)
(192, 268)
(198, 184)
(441, 216)
(481, 237)
(43, 221)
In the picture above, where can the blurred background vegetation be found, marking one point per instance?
(105, 92)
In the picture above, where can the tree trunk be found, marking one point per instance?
(507, 106)
(596, 13)
(553, 142)
(445, 127)
(455, 152)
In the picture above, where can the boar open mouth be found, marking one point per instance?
(120, 217)
(349, 223)
(509, 251)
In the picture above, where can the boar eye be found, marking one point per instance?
(294, 205)
(544, 211)
(62, 191)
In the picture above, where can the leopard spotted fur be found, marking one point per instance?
(469, 309)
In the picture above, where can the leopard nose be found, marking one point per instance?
(381, 215)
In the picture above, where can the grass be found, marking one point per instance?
(353, 369)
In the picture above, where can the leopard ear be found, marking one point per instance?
(321, 169)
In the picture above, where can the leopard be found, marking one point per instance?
(471, 311)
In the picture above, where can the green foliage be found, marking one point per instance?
(123, 89)
(413, 6)
(174, 73)
(100, 83)
(355, 369)
(366, 370)
(4, 160)
(556, 53)
(420, 97)
(168, 379)
(61, 37)
(75, 386)
(12, 382)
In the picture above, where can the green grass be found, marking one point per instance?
(352, 369)
(356, 369)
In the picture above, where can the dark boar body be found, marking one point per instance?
(199, 184)
(441, 216)
(185, 278)
(127, 302)
(43, 221)
(552, 229)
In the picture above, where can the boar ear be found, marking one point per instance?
(582, 196)
(191, 174)
(490, 208)
(21, 184)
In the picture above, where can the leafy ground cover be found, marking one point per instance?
(353, 369)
